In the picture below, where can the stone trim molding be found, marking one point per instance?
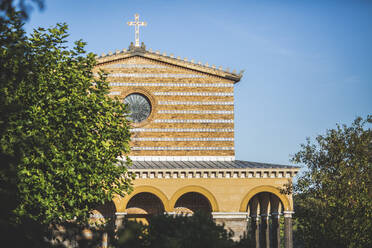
(217, 85)
(178, 148)
(182, 139)
(230, 215)
(193, 121)
(193, 94)
(193, 103)
(196, 130)
(154, 75)
(215, 215)
(182, 158)
(140, 66)
(115, 93)
(201, 112)
(215, 174)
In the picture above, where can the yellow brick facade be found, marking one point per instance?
(192, 119)
(202, 107)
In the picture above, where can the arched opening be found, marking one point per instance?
(190, 202)
(107, 210)
(103, 214)
(265, 203)
(265, 211)
(144, 204)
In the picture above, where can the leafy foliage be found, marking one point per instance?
(23, 6)
(333, 198)
(165, 231)
(60, 137)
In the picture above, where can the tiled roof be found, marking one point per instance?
(236, 164)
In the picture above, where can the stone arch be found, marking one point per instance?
(260, 189)
(107, 210)
(264, 205)
(103, 213)
(190, 202)
(144, 203)
(146, 189)
(197, 189)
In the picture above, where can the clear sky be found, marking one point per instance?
(308, 64)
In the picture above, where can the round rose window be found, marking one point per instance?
(139, 107)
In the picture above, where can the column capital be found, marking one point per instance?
(288, 214)
(276, 215)
(265, 216)
(121, 214)
(254, 216)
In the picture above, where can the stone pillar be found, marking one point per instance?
(255, 226)
(104, 240)
(236, 221)
(119, 219)
(288, 236)
(265, 231)
(275, 230)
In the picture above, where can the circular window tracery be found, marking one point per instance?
(139, 106)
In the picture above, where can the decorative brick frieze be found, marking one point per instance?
(182, 158)
(209, 130)
(193, 94)
(200, 112)
(192, 121)
(154, 75)
(183, 135)
(182, 153)
(174, 148)
(182, 139)
(150, 84)
(191, 125)
(134, 66)
(193, 103)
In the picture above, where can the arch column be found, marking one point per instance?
(276, 209)
(265, 224)
(275, 230)
(263, 203)
(236, 221)
(288, 235)
(254, 209)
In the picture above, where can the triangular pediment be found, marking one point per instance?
(140, 58)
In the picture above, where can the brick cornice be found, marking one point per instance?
(215, 173)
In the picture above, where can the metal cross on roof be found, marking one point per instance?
(136, 25)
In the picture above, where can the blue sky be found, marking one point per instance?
(308, 64)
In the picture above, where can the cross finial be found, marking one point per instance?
(136, 25)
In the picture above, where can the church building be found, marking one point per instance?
(182, 146)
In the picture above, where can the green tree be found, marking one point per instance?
(166, 231)
(333, 197)
(24, 7)
(60, 133)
